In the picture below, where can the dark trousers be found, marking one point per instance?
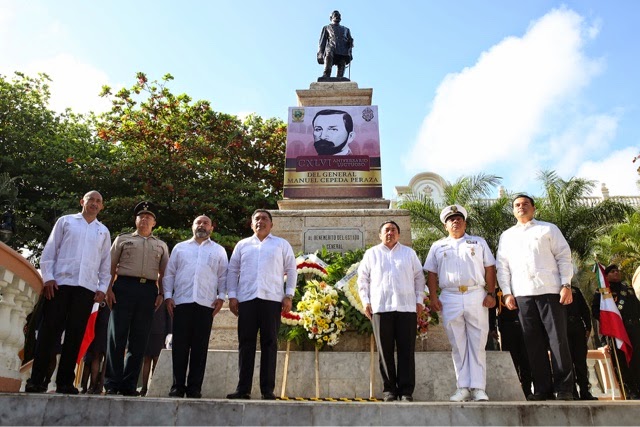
(512, 341)
(253, 316)
(396, 331)
(129, 327)
(339, 61)
(544, 326)
(577, 336)
(630, 371)
(191, 330)
(67, 311)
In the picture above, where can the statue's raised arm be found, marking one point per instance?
(335, 48)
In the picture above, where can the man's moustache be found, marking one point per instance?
(326, 147)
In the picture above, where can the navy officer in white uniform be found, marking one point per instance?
(464, 269)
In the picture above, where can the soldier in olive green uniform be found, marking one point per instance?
(138, 261)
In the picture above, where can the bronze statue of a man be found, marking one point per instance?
(335, 47)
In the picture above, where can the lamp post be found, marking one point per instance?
(8, 226)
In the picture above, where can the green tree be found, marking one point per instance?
(53, 158)
(189, 159)
(468, 191)
(566, 204)
(621, 245)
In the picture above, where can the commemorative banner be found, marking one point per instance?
(333, 152)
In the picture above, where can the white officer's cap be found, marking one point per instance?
(452, 210)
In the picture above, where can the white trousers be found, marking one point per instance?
(466, 322)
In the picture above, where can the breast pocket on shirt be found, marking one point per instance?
(157, 253)
(445, 256)
(127, 252)
(214, 263)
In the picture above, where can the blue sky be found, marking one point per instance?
(500, 87)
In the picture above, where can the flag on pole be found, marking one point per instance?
(610, 319)
(89, 332)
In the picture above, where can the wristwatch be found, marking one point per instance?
(492, 293)
(289, 296)
(566, 285)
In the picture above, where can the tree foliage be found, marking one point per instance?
(52, 158)
(621, 245)
(563, 204)
(189, 159)
(467, 191)
(152, 145)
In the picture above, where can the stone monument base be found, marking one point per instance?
(342, 374)
(314, 204)
(338, 230)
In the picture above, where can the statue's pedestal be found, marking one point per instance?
(332, 202)
(338, 230)
(334, 93)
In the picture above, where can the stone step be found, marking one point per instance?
(341, 374)
(82, 410)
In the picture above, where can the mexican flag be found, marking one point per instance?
(89, 332)
(610, 320)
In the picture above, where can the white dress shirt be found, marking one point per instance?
(257, 269)
(459, 262)
(195, 273)
(77, 253)
(391, 279)
(533, 259)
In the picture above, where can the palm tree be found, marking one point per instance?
(581, 223)
(564, 203)
(468, 191)
(489, 220)
(621, 245)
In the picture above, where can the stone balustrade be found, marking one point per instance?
(20, 285)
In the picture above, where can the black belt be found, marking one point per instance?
(137, 279)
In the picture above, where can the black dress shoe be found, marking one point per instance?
(268, 396)
(194, 394)
(67, 389)
(35, 388)
(564, 395)
(389, 397)
(239, 395)
(587, 396)
(111, 391)
(129, 393)
(176, 392)
(539, 397)
(406, 398)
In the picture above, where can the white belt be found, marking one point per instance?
(460, 289)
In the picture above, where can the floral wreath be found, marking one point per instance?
(322, 317)
(310, 264)
(349, 285)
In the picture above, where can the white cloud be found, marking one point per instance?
(511, 107)
(616, 171)
(47, 47)
(580, 140)
(75, 84)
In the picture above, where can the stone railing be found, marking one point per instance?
(20, 285)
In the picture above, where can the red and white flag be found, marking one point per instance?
(611, 323)
(89, 332)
